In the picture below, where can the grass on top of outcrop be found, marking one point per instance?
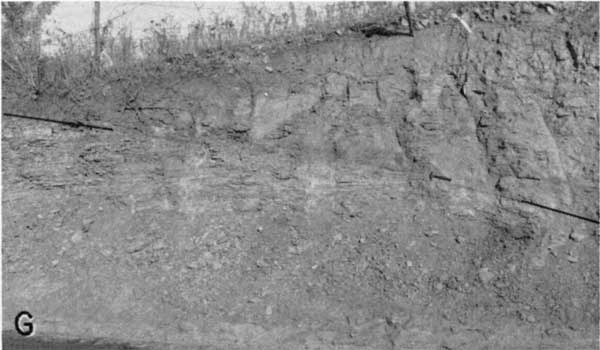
(29, 73)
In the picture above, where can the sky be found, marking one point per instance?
(76, 17)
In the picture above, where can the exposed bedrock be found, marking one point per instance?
(235, 207)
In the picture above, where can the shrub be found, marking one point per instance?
(21, 41)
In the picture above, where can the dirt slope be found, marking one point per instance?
(281, 198)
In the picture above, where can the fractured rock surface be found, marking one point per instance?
(294, 209)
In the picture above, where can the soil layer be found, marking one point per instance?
(282, 197)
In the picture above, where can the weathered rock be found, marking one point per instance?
(184, 120)
(77, 237)
(527, 8)
(485, 275)
(270, 112)
(336, 85)
(87, 223)
(577, 236)
(345, 120)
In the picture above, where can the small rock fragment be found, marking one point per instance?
(409, 263)
(54, 262)
(431, 233)
(160, 245)
(338, 32)
(136, 247)
(485, 275)
(577, 102)
(184, 120)
(269, 69)
(86, 225)
(572, 258)
(577, 236)
(269, 310)
(77, 237)
(539, 260)
(561, 113)
(527, 8)
(501, 284)
(560, 51)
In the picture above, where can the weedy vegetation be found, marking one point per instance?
(27, 68)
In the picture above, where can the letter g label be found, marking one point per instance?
(24, 324)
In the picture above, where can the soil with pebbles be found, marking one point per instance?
(281, 197)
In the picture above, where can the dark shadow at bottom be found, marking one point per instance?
(17, 342)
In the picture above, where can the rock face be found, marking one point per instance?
(295, 209)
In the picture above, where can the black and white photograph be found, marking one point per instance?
(306, 175)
